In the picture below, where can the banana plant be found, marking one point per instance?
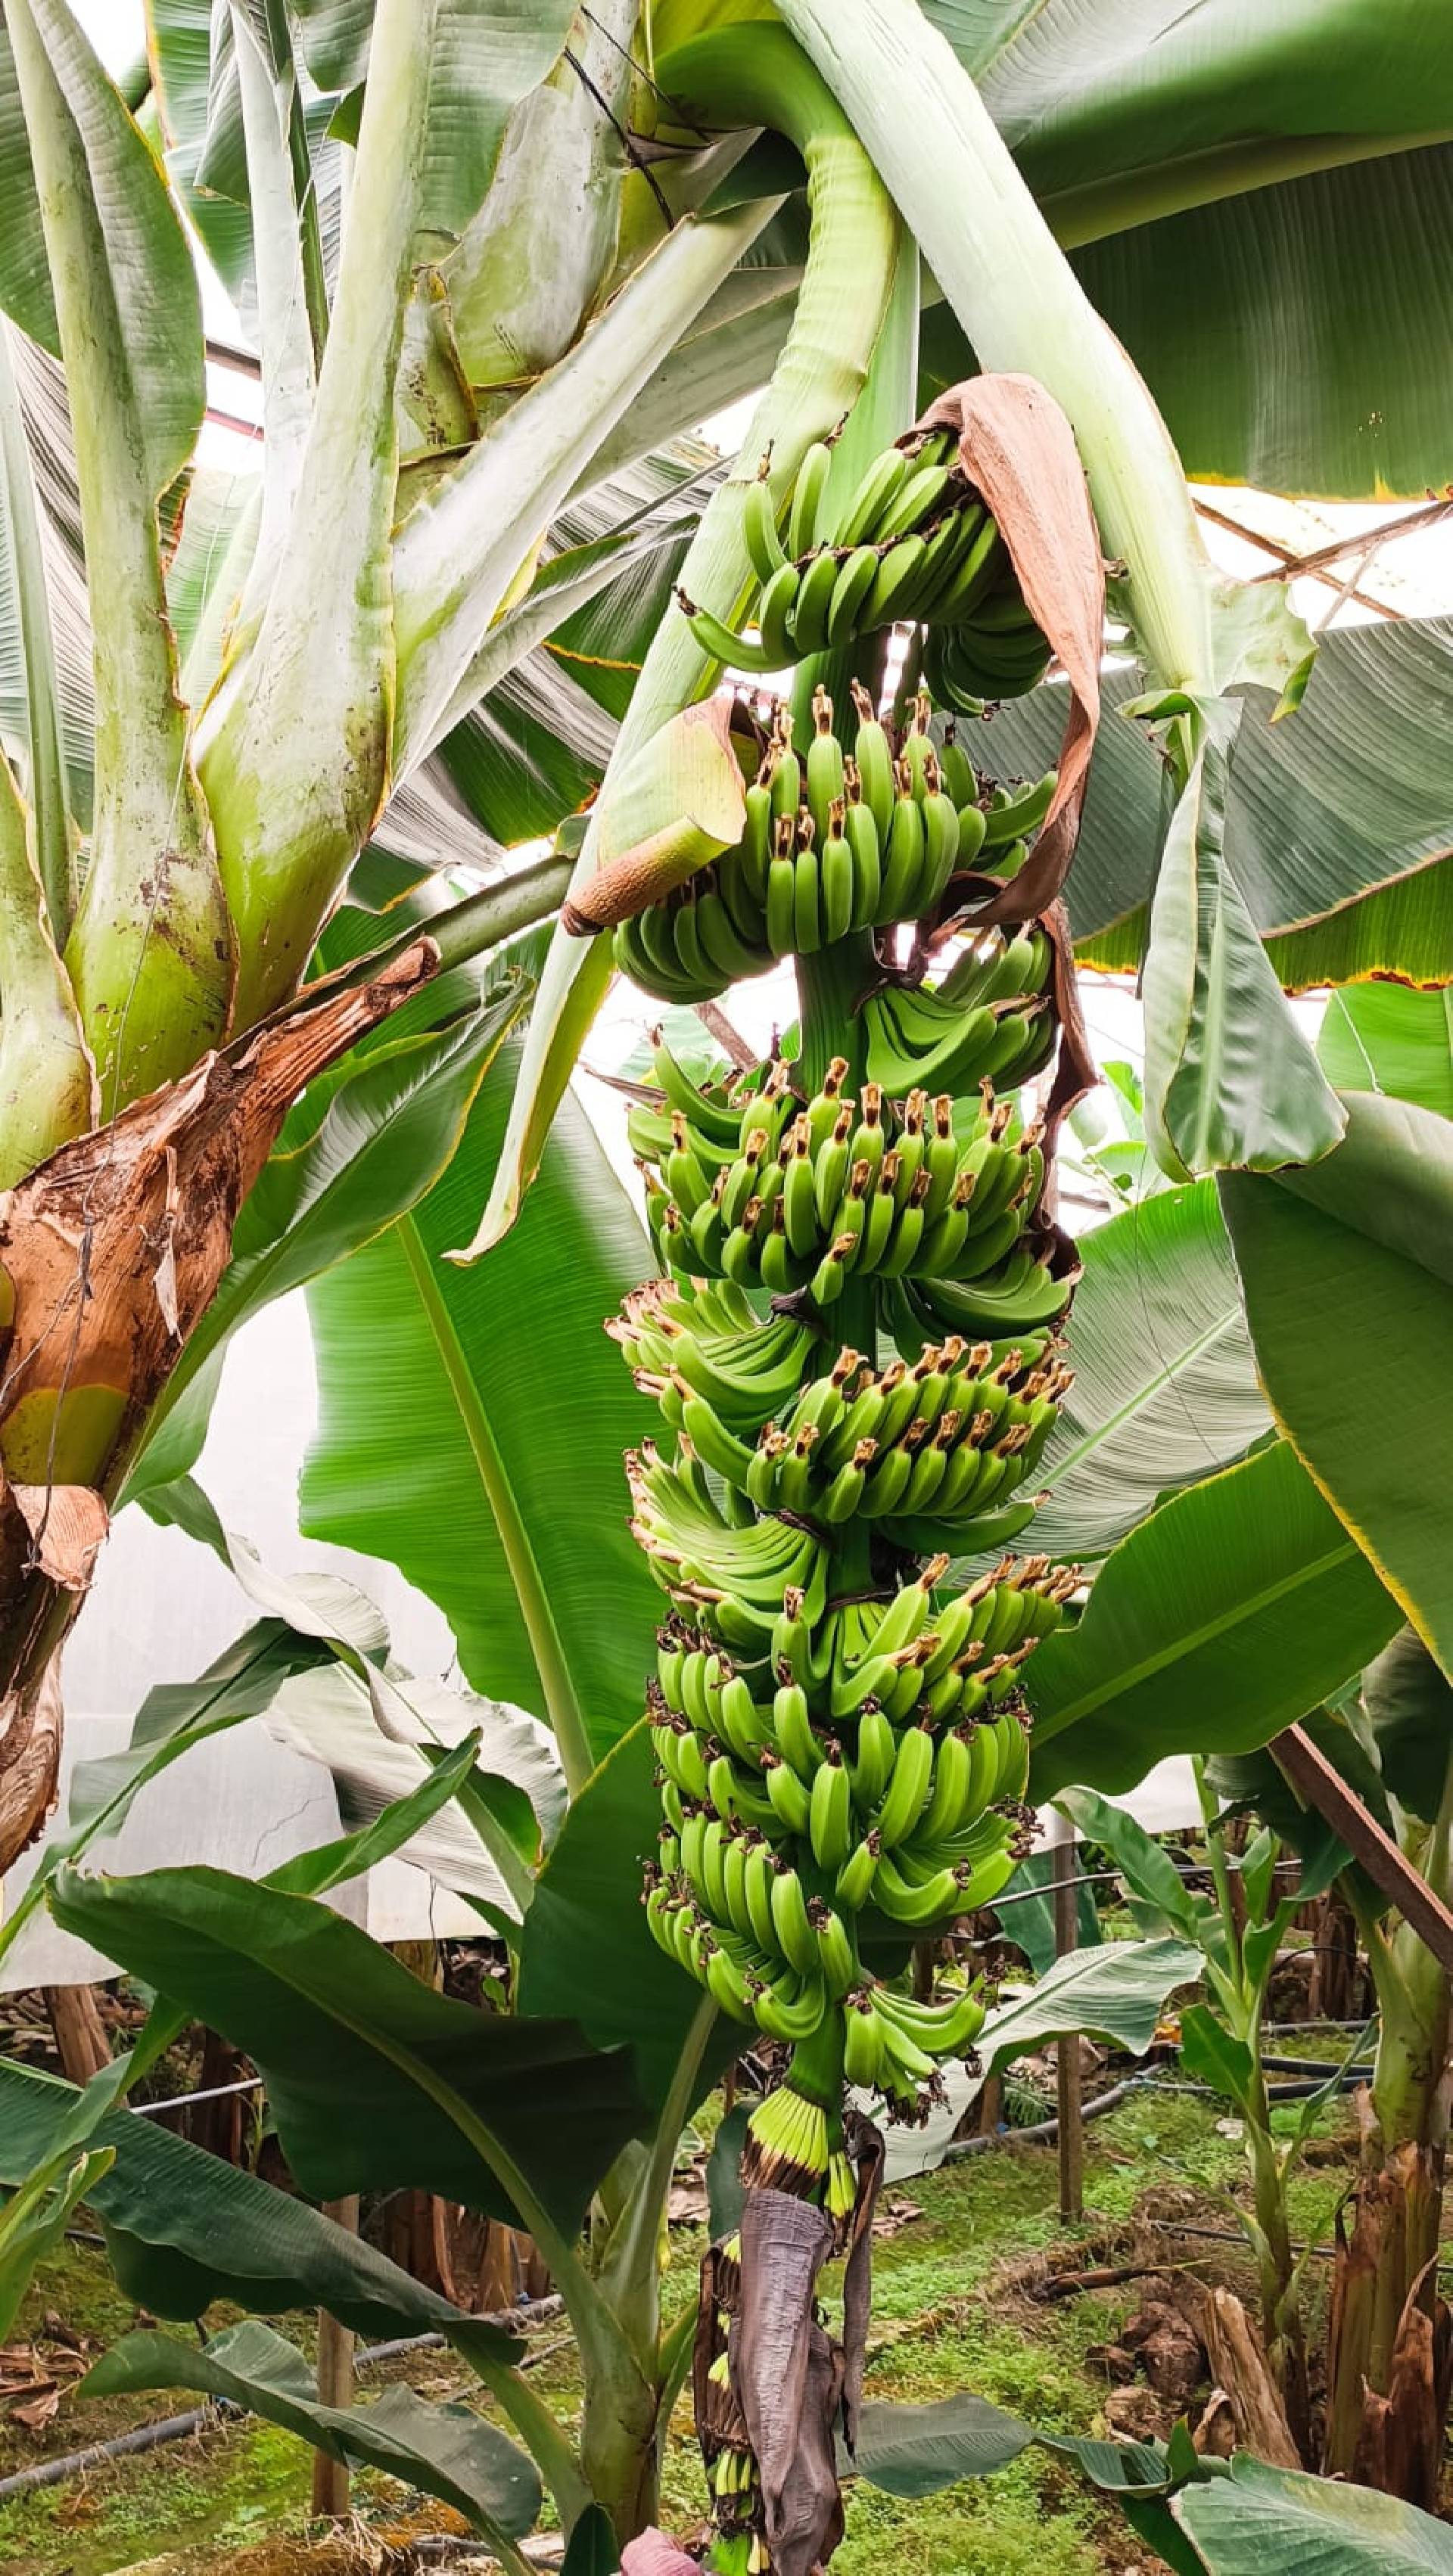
(458, 368)
(1222, 2036)
(1387, 2390)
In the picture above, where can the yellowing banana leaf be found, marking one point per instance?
(472, 1423)
(1331, 1260)
(1217, 1622)
(1165, 1386)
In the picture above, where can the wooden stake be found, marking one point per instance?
(1319, 1785)
(1071, 2118)
(335, 2380)
(80, 2034)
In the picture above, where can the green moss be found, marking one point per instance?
(944, 2319)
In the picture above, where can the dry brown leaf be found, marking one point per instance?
(81, 1241)
(40, 2409)
(67, 1524)
(1018, 450)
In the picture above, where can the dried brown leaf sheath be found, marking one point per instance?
(1018, 450)
(788, 2378)
(109, 1253)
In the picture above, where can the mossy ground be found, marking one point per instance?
(951, 2310)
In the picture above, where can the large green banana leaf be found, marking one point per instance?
(1165, 1388)
(586, 1949)
(1348, 1274)
(1339, 823)
(184, 2230)
(445, 2450)
(472, 1424)
(376, 2082)
(1236, 1606)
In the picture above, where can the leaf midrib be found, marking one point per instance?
(1189, 1641)
(1145, 1395)
(546, 1645)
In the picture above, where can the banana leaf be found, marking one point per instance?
(472, 1422)
(1338, 824)
(1348, 1274)
(587, 1951)
(1165, 1387)
(1384, 1037)
(1261, 2517)
(447, 2450)
(1236, 1606)
(376, 2082)
(184, 2230)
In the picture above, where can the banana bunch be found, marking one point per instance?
(913, 543)
(868, 1767)
(834, 843)
(717, 1552)
(846, 1186)
(943, 1445)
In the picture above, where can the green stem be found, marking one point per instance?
(631, 2268)
(851, 261)
(305, 192)
(1216, 1855)
(295, 763)
(1019, 300)
(829, 987)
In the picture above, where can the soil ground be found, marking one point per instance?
(955, 2268)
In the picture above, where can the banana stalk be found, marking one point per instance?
(745, 77)
(1020, 302)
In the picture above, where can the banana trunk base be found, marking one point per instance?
(1390, 2340)
(110, 1252)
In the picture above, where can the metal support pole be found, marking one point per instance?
(1071, 2130)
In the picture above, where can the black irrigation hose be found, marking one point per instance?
(1040, 2129)
(177, 2428)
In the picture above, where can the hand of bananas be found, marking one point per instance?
(913, 543)
(833, 843)
(767, 1191)
(873, 1758)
